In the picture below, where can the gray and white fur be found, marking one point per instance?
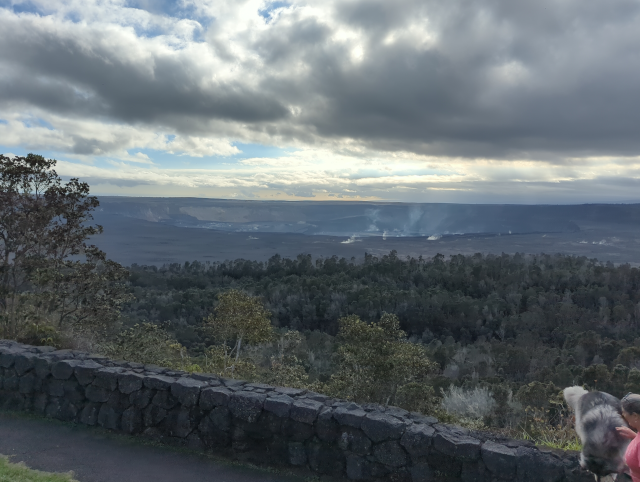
(597, 416)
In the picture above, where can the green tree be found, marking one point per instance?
(149, 344)
(285, 368)
(633, 381)
(597, 377)
(238, 319)
(85, 294)
(516, 362)
(536, 394)
(563, 376)
(628, 356)
(618, 379)
(375, 360)
(47, 270)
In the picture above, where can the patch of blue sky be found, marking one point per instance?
(38, 122)
(107, 162)
(424, 172)
(75, 17)
(267, 12)
(29, 7)
(24, 7)
(22, 151)
(247, 151)
(103, 162)
(18, 151)
(163, 159)
(376, 173)
(170, 8)
(2, 121)
(151, 31)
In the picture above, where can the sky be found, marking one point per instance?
(464, 101)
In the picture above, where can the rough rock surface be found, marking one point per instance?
(274, 425)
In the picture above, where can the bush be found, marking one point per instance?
(285, 369)
(417, 397)
(239, 319)
(287, 372)
(375, 360)
(508, 412)
(475, 404)
(536, 394)
(216, 360)
(149, 344)
(542, 428)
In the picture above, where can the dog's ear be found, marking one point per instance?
(613, 438)
(573, 394)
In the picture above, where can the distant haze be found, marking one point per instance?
(160, 230)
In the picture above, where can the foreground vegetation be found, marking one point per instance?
(20, 473)
(53, 284)
(519, 327)
(520, 318)
(366, 362)
(485, 341)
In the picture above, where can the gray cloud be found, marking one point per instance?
(578, 94)
(85, 74)
(496, 78)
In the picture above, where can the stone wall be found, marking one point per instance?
(265, 424)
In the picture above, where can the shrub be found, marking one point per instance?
(375, 360)
(542, 428)
(239, 318)
(417, 397)
(216, 359)
(287, 372)
(149, 344)
(508, 411)
(475, 404)
(536, 394)
(285, 369)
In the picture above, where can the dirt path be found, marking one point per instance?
(95, 455)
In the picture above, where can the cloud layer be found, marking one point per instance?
(484, 100)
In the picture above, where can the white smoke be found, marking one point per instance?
(352, 239)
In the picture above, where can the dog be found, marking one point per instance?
(597, 415)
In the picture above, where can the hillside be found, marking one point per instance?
(171, 230)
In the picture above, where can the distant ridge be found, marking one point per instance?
(364, 219)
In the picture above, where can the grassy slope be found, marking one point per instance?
(20, 473)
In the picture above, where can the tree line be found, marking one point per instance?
(478, 339)
(514, 328)
(536, 317)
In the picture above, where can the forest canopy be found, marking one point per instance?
(508, 320)
(543, 298)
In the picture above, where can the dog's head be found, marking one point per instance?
(603, 448)
(602, 466)
(597, 415)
